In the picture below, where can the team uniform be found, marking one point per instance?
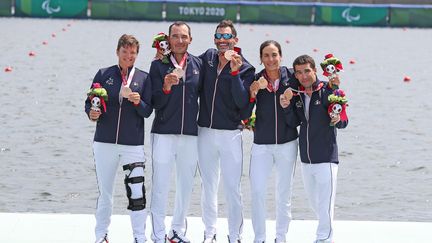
(174, 142)
(119, 140)
(223, 104)
(319, 154)
(275, 144)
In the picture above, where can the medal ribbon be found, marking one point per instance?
(270, 86)
(128, 80)
(182, 64)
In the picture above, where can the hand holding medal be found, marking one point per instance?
(125, 91)
(263, 83)
(229, 54)
(179, 72)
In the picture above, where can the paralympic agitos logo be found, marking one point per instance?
(46, 5)
(346, 14)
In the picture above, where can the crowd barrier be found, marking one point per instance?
(412, 16)
(127, 10)
(348, 14)
(352, 15)
(5, 8)
(51, 8)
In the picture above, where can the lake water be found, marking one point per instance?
(46, 162)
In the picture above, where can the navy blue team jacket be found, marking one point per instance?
(122, 123)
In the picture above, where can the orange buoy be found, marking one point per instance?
(407, 78)
(352, 61)
(32, 54)
(8, 69)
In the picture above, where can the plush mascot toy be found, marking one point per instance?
(98, 97)
(249, 123)
(331, 65)
(160, 42)
(338, 102)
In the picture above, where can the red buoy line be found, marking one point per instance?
(32, 53)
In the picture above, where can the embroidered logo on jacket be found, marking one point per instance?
(110, 81)
(299, 104)
(317, 102)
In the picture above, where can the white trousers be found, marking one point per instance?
(320, 185)
(169, 151)
(263, 157)
(108, 157)
(220, 153)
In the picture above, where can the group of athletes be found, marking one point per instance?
(199, 104)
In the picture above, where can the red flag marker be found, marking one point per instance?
(32, 54)
(8, 69)
(407, 78)
(352, 61)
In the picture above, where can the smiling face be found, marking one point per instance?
(305, 74)
(127, 55)
(179, 39)
(271, 58)
(223, 44)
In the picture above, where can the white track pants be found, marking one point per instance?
(263, 158)
(320, 185)
(169, 151)
(108, 157)
(220, 153)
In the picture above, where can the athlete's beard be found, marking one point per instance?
(230, 47)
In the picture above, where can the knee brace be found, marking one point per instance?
(135, 175)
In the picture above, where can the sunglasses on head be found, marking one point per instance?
(226, 36)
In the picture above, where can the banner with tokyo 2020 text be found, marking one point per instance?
(51, 8)
(351, 15)
(411, 17)
(127, 10)
(275, 13)
(200, 11)
(5, 8)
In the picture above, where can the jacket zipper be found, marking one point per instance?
(118, 124)
(183, 106)
(276, 120)
(213, 102)
(307, 127)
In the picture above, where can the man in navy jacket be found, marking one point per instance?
(224, 99)
(174, 132)
(317, 142)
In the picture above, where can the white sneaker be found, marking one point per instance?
(174, 237)
(139, 241)
(104, 239)
(210, 240)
